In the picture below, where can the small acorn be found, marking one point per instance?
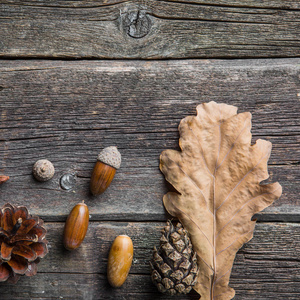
(119, 260)
(43, 170)
(76, 226)
(108, 161)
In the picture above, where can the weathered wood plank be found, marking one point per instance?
(273, 245)
(288, 4)
(150, 29)
(138, 287)
(67, 112)
(265, 268)
(138, 191)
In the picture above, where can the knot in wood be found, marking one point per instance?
(137, 24)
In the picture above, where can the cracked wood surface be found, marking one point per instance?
(67, 112)
(149, 29)
(267, 267)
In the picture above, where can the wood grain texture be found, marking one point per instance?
(150, 29)
(67, 112)
(265, 268)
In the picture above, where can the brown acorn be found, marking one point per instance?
(108, 161)
(119, 260)
(76, 226)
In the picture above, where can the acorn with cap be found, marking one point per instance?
(108, 161)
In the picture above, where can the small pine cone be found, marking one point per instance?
(22, 242)
(174, 265)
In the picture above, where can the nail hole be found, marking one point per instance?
(67, 181)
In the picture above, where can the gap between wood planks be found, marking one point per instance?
(260, 218)
(86, 5)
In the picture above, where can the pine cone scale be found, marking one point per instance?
(4, 272)
(185, 265)
(165, 269)
(24, 238)
(40, 249)
(178, 275)
(20, 212)
(25, 251)
(18, 264)
(6, 251)
(3, 233)
(39, 231)
(7, 220)
(26, 226)
(180, 288)
(32, 269)
(22, 242)
(174, 264)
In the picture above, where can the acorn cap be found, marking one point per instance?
(43, 170)
(110, 156)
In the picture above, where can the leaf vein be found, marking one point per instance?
(224, 274)
(232, 218)
(234, 241)
(197, 226)
(234, 143)
(242, 180)
(205, 262)
(198, 141)
(215, 221)
(194, 182)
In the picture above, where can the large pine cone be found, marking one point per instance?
(22, 242)
(174, 264)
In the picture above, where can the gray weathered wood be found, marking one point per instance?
(138, 287)
(265, 268)
(68, 111)
(279, 242)
(149, 29)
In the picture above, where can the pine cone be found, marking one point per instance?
(22, 242)
(174, 264)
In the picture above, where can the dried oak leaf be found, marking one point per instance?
(217, 175)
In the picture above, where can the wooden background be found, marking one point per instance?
(77, 76)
